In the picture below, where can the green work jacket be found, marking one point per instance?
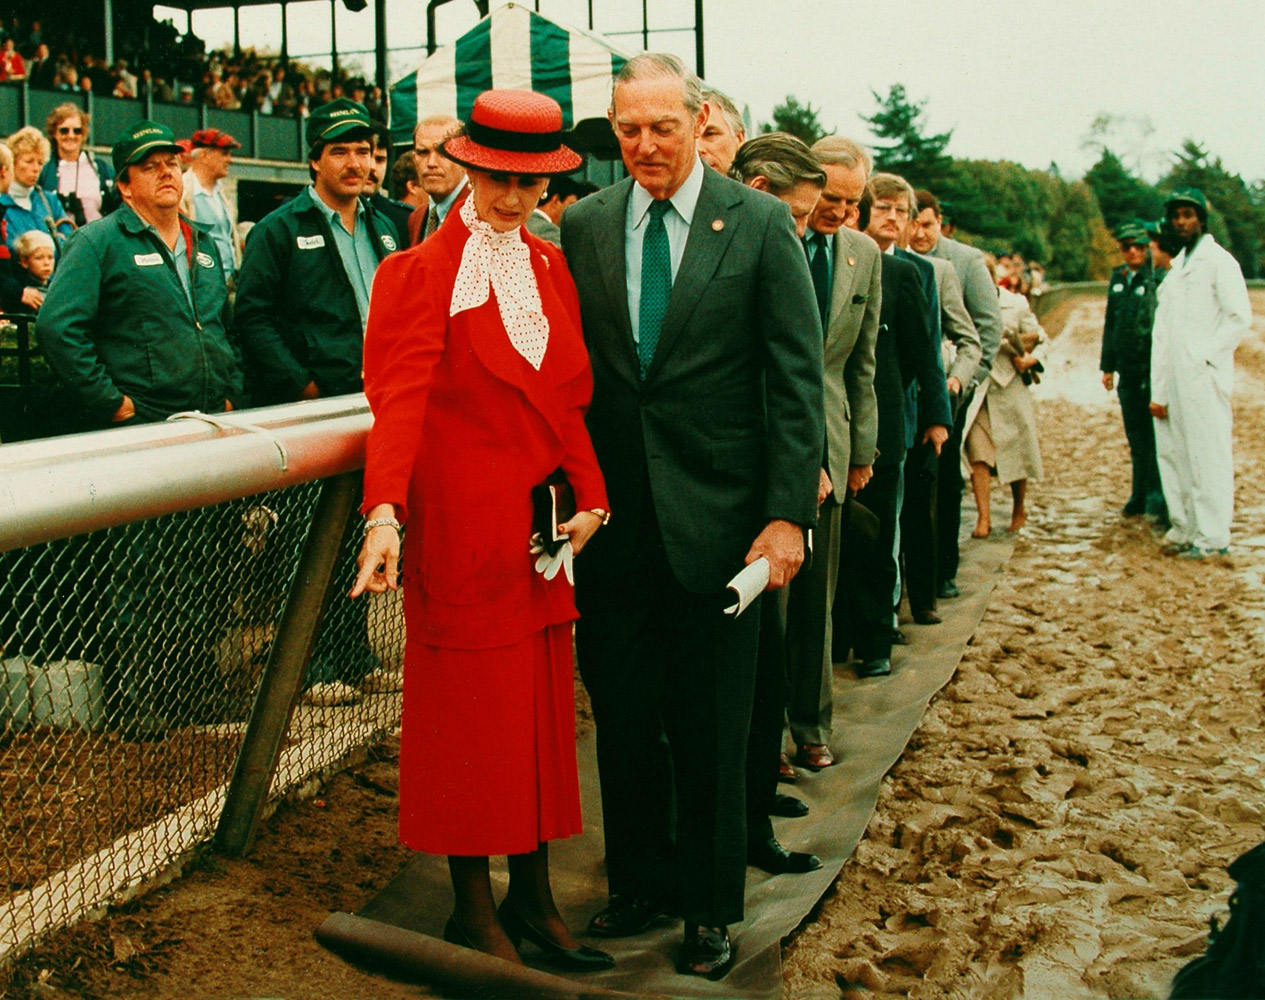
(117, 321)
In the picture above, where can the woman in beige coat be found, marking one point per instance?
(1001, 435)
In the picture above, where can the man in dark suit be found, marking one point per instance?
(905, 352)
(705, 343)
(980, 295)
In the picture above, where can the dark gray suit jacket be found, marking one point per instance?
(726, 430)
(980, 294)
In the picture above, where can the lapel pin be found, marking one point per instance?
(852, 262)
(718, 225)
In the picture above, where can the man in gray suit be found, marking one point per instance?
(698, 312)
(847, 278)
(980, 295)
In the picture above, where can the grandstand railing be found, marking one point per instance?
(263, 137)
(173, 619)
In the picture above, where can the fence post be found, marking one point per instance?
(291, 650)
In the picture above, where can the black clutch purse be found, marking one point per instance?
(552, 503)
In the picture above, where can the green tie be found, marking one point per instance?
(656, 284)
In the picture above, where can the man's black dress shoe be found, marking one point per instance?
(948, 590)
(581, 959)
(707, 952)
(927, 618)
(789, 806)
(899, 638)
(626, 915)
(772, 857)
(875, 668)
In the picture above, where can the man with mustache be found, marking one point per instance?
(303, 291)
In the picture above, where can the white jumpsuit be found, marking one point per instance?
(1202, 315)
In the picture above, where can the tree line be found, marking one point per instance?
(1065, 223)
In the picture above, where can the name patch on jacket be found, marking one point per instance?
(1117, 288)
(148, 259)
(205, 259)
(310, 242)
(388, 242)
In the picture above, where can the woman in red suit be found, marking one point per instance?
(478, 379)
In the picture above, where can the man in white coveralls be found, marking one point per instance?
(1202, 315)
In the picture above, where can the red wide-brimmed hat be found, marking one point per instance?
(513, 132)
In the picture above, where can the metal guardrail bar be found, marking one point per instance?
(59, 487)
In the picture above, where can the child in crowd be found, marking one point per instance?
(35, 260)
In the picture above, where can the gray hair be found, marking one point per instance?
(728, 109)
(843, 151)
(454, 123)
(883, 185)
(658, 65)
(779, 157)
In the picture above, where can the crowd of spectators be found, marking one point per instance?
(169, 67)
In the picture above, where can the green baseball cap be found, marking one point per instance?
(1188, 196)
(336, 118)
(1153, 229)
(140, 139)
(1133, 233)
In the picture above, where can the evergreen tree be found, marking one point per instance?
(903, 148)
(1120, 194)
(800, 120)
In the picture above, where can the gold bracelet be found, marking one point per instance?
(381, 522)
(604, 514)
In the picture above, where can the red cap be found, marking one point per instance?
(513, 132)
(213, 138)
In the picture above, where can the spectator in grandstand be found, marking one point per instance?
(12, 65)
(478, 332)
(135, 321)
(125, 83)
(42, 70)
(1001, 423)
(34, 254)
(80, 179)
(280, 100)
(29, 206)
(204, 199)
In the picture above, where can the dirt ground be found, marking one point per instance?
(1058, 827)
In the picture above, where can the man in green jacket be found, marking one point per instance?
(136, 318)
(303, 290)
(1126, 351)
(135, 324)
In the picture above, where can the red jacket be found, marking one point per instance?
(463, 429)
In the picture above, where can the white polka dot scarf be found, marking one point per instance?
(503, 261)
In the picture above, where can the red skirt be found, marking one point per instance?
(487, 746)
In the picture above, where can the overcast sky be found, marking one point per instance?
(1022, 80)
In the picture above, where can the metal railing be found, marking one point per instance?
(174, 652)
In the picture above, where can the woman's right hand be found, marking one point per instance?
(379, 559)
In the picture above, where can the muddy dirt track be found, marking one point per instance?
(1058, 827)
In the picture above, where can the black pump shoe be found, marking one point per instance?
(581, 959)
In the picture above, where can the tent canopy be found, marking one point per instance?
(514, 48)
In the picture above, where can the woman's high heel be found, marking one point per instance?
(581, 959)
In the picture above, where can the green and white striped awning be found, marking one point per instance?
(512, 48)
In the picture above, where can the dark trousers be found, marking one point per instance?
(809, 633)
(764, 741)
(863, 605)
(918, 535)
(949, 487)
(1134, 390)
(672, 678)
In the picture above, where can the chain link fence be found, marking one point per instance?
(130, 659)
